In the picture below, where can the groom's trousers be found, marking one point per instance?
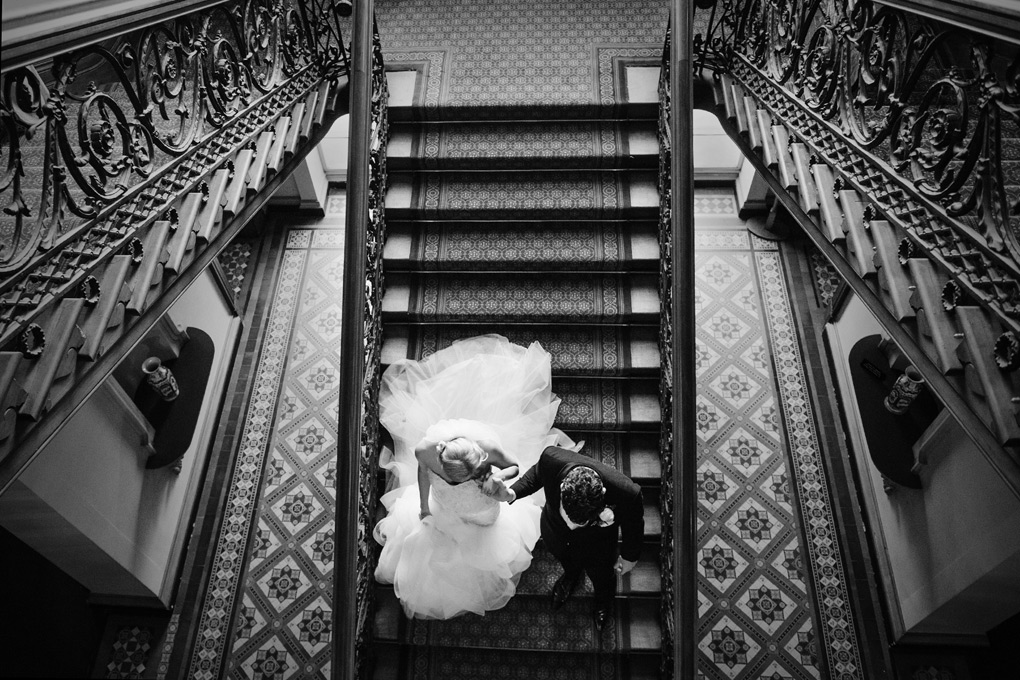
(589, 550)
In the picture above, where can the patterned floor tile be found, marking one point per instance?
(268, 613)
(131, 652)
(755, 616)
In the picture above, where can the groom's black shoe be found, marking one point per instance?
(601, 615)
(563, 588)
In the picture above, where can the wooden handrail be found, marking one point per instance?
(74, 27)
(684, 377)
(352, 356)
(997, 18)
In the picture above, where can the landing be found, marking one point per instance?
(499, 56)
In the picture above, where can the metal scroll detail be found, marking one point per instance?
(667, 493)
(368, 549)
(96, 139)
(924, 111)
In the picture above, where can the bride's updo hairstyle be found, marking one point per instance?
(582, 495)
(462, 459)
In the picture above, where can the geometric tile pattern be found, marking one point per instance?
(715, 201)
(130, 652)
(835, 636)
(268, 612)
(237, 262)
(825, 278)
(757, 618)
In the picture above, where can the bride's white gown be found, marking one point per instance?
(469, 555)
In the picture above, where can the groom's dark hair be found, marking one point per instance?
(582, 495)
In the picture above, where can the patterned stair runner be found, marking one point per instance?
(538, 230)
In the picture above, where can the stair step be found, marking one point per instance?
(392, 662)
(480, 111)
(604, 246)
(575, 350)
(538, 579)
(521, 145)
(527, 622)
(607, 404)
(644, 579)
(521, 297)
(524, 195)
(636, 454)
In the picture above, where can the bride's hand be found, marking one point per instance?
(497, 488)
(423, 514)
(490, 485)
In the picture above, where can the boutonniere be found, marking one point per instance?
(606, 517)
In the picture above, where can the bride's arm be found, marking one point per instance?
(425, 453)
(507, 463)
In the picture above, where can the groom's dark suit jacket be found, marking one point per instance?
(622, 494)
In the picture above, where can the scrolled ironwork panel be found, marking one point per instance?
(374, 286)
(93, 126)
(667, 492)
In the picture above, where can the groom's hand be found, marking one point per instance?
(623, 566)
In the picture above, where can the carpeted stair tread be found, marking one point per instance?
(393, 662)
(524, 195)
(527, 622)
(607, 404)
(483, 111)
(592, 245)
(644, 579)
(575, 350)
(518, 145)
(635, 453)
(521, 297)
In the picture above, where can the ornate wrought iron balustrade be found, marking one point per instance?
(128, 164)
(677, 441)
(358, 444)
(928, 105)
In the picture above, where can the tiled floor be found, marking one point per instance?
(267, 612)
(771, 605)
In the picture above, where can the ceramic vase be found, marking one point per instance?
(160, 378)
(904, 391)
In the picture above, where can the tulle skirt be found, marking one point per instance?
(480, 387)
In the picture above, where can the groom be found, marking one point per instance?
(587, 505)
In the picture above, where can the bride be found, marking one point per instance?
(478, 411)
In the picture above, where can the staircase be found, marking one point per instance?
(537, 228)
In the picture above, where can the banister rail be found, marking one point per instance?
(678, 382)
(997, 18)
(684, 341)
(33, 36)
(361, 341)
